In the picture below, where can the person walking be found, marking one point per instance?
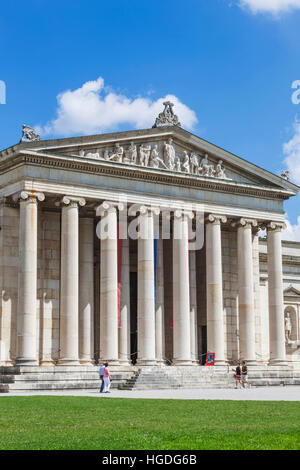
(101, 370)
(245, 375)
(106, 378)
(237, 374)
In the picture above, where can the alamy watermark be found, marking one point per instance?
(296, 94)
(139, 221)
(2, 92)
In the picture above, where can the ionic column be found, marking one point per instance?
(214, 288)
(146, 302)
(108, 235)
(68, 333)
(86, 290)
(159, 303)
(275, 286)
(27, 279)
(181, 290)
(246, 289)
(193, 307)
(124, 324)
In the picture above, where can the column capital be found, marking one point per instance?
(179, 213)
(245, 223)
(30, 196)
(109, 207)
(143, 209)
(275, 226)
(216, 219)
(73, 201)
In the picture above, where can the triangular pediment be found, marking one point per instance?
(291, 292)
(169, 149)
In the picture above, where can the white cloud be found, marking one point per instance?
(292, 232)
(291, 151)
(93, 108)
(270, 6)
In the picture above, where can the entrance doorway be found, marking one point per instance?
(133, 317)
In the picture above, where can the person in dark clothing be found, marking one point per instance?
(238, 374)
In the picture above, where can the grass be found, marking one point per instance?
(43, 422)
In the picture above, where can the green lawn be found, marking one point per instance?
(44, 422)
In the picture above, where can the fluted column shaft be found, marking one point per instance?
(181, 291)
(109, 287)
(69, 353)
(275, 286)
(214, 288)
(86, 290)
(124, 325)
(27, 279)
(146, 303)
(246, 290)
(159, 303)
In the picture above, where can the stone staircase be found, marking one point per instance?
(21, 379)
(168, 377)
(126, 377)
(272, 376)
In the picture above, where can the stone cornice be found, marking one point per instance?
(175, 132)
(141, 173)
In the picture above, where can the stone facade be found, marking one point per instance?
(69, 299)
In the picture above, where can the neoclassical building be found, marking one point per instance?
(144, 247)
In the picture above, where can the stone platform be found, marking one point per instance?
(126, 377)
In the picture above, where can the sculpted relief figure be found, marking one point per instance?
(155, 160)
(169, 154)
(178, 164)
(96, 155)
(130, 154)
(220, 171)
(186, 163)
(194, 163)
(106, 155)
(205, 169)
(287, 328)
(117, 154)
(144, 154)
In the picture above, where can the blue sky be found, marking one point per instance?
(233, 66)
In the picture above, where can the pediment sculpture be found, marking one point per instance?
(167, 117)
(28, 134)
(162, 156)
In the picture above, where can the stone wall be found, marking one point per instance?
(9, 262)
(230, 294)
(48, 286)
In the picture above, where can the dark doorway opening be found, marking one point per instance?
(133, 316)
(204, 345)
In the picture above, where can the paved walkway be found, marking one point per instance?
(278, 393)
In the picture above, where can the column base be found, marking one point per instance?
(146, 362)
(49, 363)
(21, 361)
(68, 362)
(124, 362)
(183, 362)
(86, 362)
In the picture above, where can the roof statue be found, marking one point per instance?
(28, 134)
(167, 117)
